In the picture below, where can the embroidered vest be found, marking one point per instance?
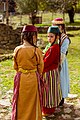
(63, 37)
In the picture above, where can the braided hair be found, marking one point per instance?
(28, 36)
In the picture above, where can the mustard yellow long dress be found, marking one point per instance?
(28, 104)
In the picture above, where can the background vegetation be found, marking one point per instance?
(47, 17)
(32, 7)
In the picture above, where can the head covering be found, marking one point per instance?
(58, 21)
(54, 30)
(29, 28)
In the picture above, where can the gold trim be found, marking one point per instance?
(26, 71)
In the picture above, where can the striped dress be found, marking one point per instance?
(51, 97)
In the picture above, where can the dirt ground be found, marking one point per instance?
(69, 111)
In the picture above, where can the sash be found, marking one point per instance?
(41, 85)
(15, 95)
(62, 40)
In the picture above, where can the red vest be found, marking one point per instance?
(52, 58)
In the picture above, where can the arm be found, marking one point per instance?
(40, 61)
(46, 48)
(51, 58)
(14, 59)
(64, 48)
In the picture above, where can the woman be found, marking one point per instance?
(64, 75)
(28, 61)
(52, 96)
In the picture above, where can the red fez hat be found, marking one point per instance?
(29, 28)
(58, 21)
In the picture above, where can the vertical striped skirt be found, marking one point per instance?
(53, 96)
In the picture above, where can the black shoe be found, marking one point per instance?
(62, 102)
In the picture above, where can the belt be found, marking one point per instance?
(26, 71)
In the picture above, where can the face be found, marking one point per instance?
(51, 37)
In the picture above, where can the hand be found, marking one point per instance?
(59, 67)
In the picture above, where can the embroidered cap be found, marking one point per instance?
(58, 21)
(54, 30)
(29, 28)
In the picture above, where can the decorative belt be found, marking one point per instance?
(26, 71)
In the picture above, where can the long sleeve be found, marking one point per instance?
(51, 58)
(46, 48)
(15, 63)
(64, 48)
(40, 61)
(14, 58)
(62, 58)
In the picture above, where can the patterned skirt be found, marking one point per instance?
(52, 97)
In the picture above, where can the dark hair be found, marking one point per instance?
(63, 27)
(28, 36)
(55, 39)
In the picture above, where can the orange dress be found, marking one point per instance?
(28, 103)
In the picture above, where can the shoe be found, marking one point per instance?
(62, 102)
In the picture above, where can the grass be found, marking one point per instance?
(6, 75)
(74, 63)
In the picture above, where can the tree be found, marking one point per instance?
(65, 6)
(30, 7)
(70, 8)
(71, 14)
(11, 6)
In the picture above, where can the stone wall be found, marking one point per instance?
(9, 38)
(68, 28)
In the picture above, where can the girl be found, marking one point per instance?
(28, 60)
(52, 97)
(64, 75)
